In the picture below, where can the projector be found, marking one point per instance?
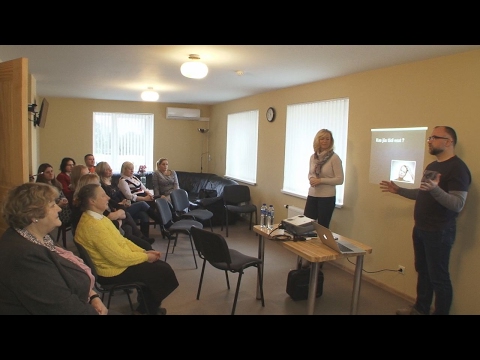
(298, 225)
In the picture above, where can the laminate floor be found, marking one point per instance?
(216, 299)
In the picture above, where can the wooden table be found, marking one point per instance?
(316, 252)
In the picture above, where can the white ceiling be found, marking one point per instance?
(122, 72)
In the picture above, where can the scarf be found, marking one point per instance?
(320, 160)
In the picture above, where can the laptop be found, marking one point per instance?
(341, 246)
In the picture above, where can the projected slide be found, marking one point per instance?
(398, 154)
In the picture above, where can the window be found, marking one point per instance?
(242, 144)
(119, 137)
(303, 122)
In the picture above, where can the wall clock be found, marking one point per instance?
(270, 114)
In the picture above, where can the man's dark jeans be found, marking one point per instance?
(432, 255)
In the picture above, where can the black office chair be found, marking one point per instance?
(111, 288)
(62, 230)
(170, 227)
(213, 248)
(236, 199)
(181, 206)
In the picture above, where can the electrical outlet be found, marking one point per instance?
(401, 269)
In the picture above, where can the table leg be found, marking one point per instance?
(261, 255)
(312, 287)
(356, 285)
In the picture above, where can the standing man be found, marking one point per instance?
(438, 202)
(90, 162)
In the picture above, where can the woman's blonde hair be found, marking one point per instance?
(90, 178)
(27, 202)
(126, 165)
(316, 140)
(101, 169)
(160, 161)
(76, 174)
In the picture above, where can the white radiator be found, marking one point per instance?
(293, 211)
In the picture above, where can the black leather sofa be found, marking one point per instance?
(192, 183)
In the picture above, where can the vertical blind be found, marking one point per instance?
(242, 145)
(303, 122)
(120, 137)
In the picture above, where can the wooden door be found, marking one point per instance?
(14, 127)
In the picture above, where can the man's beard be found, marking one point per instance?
(435, 151)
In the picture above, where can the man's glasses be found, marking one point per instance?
(435, 137)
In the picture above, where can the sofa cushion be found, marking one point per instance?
(192, 183)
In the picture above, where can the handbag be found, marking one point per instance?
(207, 193)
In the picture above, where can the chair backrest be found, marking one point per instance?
(83, 253)
(211, 246)
(180, 200)
(164, 210)
(236, 194)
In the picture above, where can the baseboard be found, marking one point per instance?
(375, 282)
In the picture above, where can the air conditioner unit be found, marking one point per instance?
(183, 114)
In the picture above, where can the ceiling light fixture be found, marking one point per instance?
(194, 69)
(150, 95)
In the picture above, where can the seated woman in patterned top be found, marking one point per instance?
(134, 190)
(37, 277)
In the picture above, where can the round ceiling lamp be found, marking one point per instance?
(150, 95)
(194, 69)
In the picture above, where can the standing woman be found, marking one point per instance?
(326, 172)
(64, 177)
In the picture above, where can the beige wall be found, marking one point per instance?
(441, 91)
(69, 128)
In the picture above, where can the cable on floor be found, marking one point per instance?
(372, 272)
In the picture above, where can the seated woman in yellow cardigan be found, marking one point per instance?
(116, 258)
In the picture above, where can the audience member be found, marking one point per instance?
(117, 259)
(139, 210)
(90, 162)
(131, 186)
(77, 172)
(164, 180)
(122, 220)
(37, 277)
(134, 190)
(438, 202)
(47, 176)
(64, 177)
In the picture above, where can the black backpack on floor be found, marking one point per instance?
(298, 281)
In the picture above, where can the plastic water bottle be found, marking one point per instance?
(263, 215)
(143, 179)
(270, 217)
